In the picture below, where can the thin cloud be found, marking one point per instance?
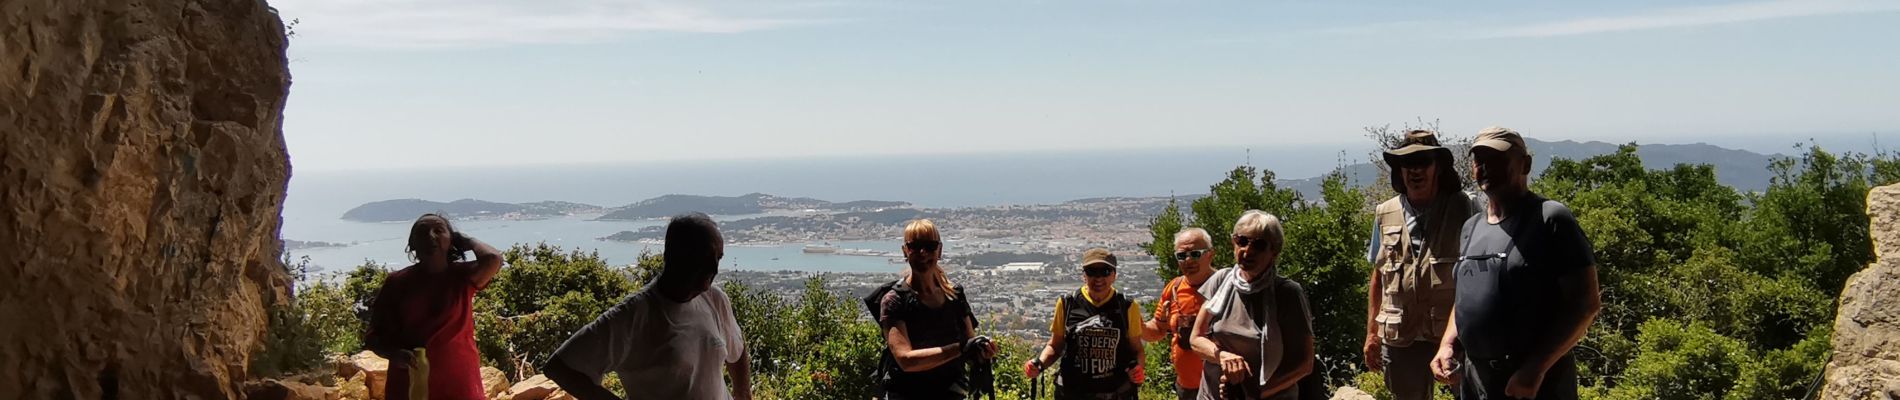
(1411, 29)
(1696, 16)
(477, 23)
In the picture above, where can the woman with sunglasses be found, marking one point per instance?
(1254, 334)
(929, 331)
(1097, 334)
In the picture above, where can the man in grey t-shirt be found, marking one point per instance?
(1527, 286)
(668, 341)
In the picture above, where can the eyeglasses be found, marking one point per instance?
(1098, 272)
(1189, 255)
(924, 245)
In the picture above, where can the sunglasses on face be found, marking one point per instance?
(1098, 272)
(1244, 241)
(1414, 162)
(924, 245)
(1189, 255)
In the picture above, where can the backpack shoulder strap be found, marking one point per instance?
(873, 302)
(963, 303)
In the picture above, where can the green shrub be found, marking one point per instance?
(1677, 360)
(292, 342)
(1792, 373)
(542, 297)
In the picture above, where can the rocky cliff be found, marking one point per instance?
(142, 173)
(1866, 362)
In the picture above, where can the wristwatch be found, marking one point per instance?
(1038, 363)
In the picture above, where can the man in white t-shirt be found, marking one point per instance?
(669, 340)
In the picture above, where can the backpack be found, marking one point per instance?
(887, 363)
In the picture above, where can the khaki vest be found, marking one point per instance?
(1417, 287)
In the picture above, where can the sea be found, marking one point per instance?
(317, 199)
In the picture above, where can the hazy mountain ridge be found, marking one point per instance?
(408, 209)
(751, 203)
(1744, 170)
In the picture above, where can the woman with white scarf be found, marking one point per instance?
(1255, 334)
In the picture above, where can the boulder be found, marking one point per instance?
(354, 388)
(1351, 393)
(142, 177)
(494, 382)
(344, 365)
(536, 387)
(284, 390)
(1866, 342)
(377, 370)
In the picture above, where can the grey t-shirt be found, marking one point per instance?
(1507, 279)
(660, 349)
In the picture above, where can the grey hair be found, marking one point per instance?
(1189, 234)
(1265, 225)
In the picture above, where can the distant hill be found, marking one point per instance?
(753, 203)
(1743, 170)
(409, 209)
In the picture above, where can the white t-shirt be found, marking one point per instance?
(661, 349)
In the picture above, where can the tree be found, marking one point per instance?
(544, 295)
(1245, 188)
(1164, 227)
(1325, 253)
(1325, 244)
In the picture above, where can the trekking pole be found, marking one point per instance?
(1036, 390)
(1035, 385)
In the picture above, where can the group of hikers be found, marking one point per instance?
(1486, 295)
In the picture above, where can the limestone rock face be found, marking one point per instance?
(142, 175)
(1866, 362)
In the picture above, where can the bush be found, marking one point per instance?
(1324, 252)
(543, 297)
(1679, 360)
(814, 346)
(1792, 373)
(291, 343)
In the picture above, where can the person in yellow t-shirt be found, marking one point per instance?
(1096, 333)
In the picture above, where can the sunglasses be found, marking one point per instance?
(1189, 255)
(1414, 161)
(924, 245)
(1098, 272)
(1243, 241)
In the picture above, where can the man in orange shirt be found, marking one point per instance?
(1180, 303)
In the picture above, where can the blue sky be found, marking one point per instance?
(508, 82)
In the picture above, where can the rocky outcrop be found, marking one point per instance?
(1866, 362)
(142, 175)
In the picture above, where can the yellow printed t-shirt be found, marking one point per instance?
(1062, 311)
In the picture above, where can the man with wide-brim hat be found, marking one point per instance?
(1413, 247)
(1527, 285)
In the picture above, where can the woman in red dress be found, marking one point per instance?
(430, 304)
